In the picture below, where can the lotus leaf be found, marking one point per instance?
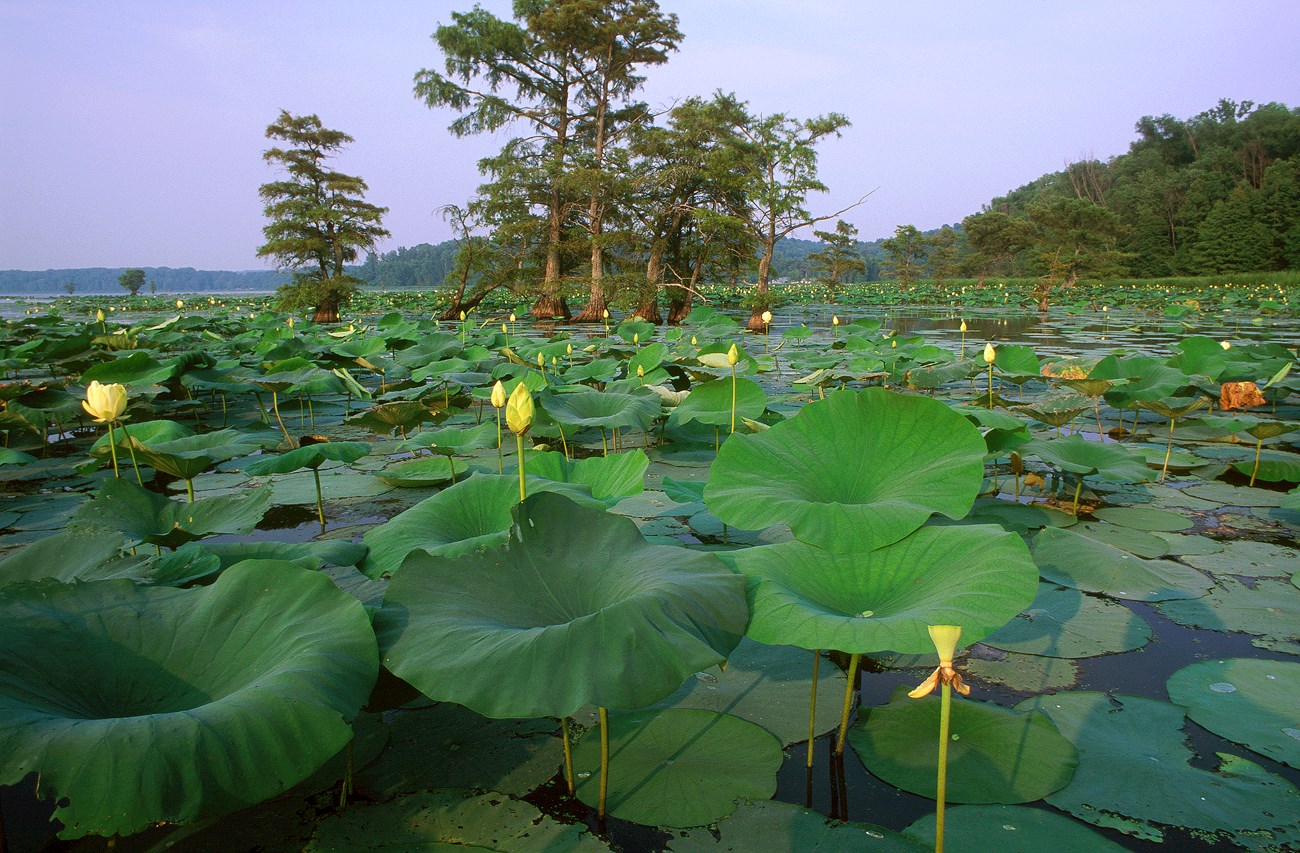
(995, 754)
(1074, 560)
(975, 576)
(1012, 829)
(473, 514)
(1024, 673)
(1249, 701)
(239, 690)
(309, 456)
(1065, 623)
(137, 368)
(781, 826)
(145, 516)
(680, 767)
(856, 470)
(67, 556)
(1076, 454)
(610, 478)
(1143, 518)
(1017, 517)
(603, 410)
(142, 433)
(187, 457)
(1245, 558)
(453, 440)
(710, 403)
(1267, 608)
(577, 608)
(1225, 494)
(421, 473)
(1140, 742)
(1125, 538)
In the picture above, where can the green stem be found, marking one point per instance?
(990, 385)
(941, 786)
(812, 706)
(519, 440)
(1078, 487)
(131, 449)
(112, 449)
(733, 398)
(320, 501)
(568, 754)
(189, 490)
(345, 789)
(451, 463)
(848, 703)
(1259, 445)
(1169, 449)
(275, 404)
(604, 761)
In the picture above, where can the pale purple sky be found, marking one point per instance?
(131, 132)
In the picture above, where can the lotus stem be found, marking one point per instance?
(1169, 449)
(604, 761)
(311, 412)
(451, 463)
(990, 386)
(941, 781)
(189, 490)
(604, 444)
(563, 441)
(1101, 433)
(854, 660)
(112, 449)
(812, 706)
(320, 501)
(345, 789)
(275, 404)
(1078, 487)
(1259, 445)
(136, 465)
(733, 398)
(501, 460)
(568, 754)
(519, 441)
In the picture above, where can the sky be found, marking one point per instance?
(131, 132)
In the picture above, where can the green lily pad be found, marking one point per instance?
(1267, 608)
(603, 410)
(309, 555)
(1245, 558)
(145, 516)
(450, 746)
(975, 576)
(240, 689)
(1077, 455)
(1024, 673)
(710, 403)
(1071, 559)
(310, 456)
(449, 821)
(995, 754)
(1143, 518)
(1137, 542)
(473, 514)
(1011, 829)
(187, 457)
(1186, 544)
(300, 488)
(610, 478)
(422, 473)
(856, 470)
(577, 602)
(769, 686)
(68, 556)
(678, 767)
(775, 825)
(1017, 517)
(1248, 701)
(1134, 774)
(1065, 623)
(1224, 494)
(1272, 469)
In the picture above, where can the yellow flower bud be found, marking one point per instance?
(636, 337)
(835, 320)
(694, 342)
(989, 353)
(498, 395)
(541, 360)
(512, 317)
(519, 410)
(290, 321)
(733, 356)
(767, 317)
(104, 403)
(640, 370)
(180, 303)
(99, 315)
(505, 329)
(1225, 344)
(462, 316)
(605, 313)
(963, 327)
(568, 349)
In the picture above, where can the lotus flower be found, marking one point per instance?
(105, 403)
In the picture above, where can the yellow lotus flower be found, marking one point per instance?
(1225, 344)
(541, 360)
(104, 403)
(504, 329)
(945, 639)
(290, 321)
(604, 313)
(498, 395)
(694, 341)
(519, 410)
(767, 318)
(180, 303)
(835, 320)
(989, 353)
(99, 315)
(512, 317)
(963, 327)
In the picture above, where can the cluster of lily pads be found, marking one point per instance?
(437, 569)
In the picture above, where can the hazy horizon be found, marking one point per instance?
(134, 131)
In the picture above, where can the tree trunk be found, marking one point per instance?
(648, 310)
(327, 311)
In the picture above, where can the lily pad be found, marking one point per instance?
(1143, 518)
(1224, 494)
(68, 556)
(1024, 673)
(422, 473)
(769, 686)
(241, 689)
(1127, 539)
(775, 825)
(1077, 455)
(856, 470)
(1268, 608)
(1245, 558)
(1064, 623)
(145, 516)
(577, 603)
(710, 403)
(300, 488)
(1074, 560)
(1248, 701)
(1011, 829)
(995, 754)
(1187, 544)
(1134, 773)
(679, 767)
(1017, 517)
(975, 576)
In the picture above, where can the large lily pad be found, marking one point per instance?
(603, 410)
(309, 456)
(1011, 829)
(976, 576)
(781, 826)
(710, 403)
(72, 555)
(577, 608)
(1225, 494)
(1077, 455)
(767, 685)
(1144, 518)
(1249, 701)
(856, 470)
(1134, 774)
(995, 754)
(1065, 623)
(1078, 561)
(239, 690)
(1245, 558)
(1268, 608)
(679, 767)
(145, 516)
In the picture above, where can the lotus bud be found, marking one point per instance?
(553, 361)
(640, 370)
(963, 327)
(636, 337)
(99, 315)
(290, 321)
(604, 313)
(694, 342)
(505, 329)
(212, 300)
(519, 410)
(1225, 344)
(498, 395)
(945, 639)
(989, 354)
(893, 343)
(835, 320)
(1105, 308)
(767, 318)
(541, 360)
(568, 349)
(512, 317)
(104, 403)
(462, 316)
(733, 356)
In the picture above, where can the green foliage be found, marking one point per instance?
(131, 280)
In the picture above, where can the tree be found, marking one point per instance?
(1073, 239)
(904, 255)
(319, 220)
(839, 259)
(69, 287)
(131, 280)
(1232, 238)
(994, 240)
(941, 255)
